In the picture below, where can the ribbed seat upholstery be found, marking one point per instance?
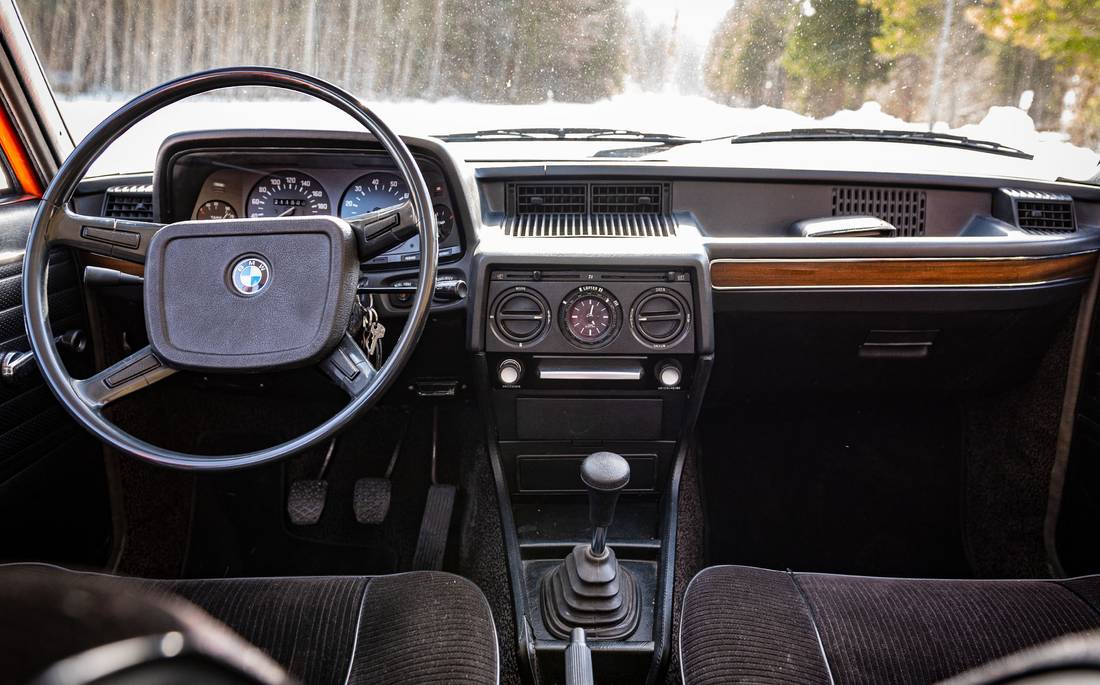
(422, 627)
(749, 625)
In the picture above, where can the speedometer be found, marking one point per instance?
(288, 193)
(373, 191)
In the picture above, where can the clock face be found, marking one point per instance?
(589, 319)
(591, 316)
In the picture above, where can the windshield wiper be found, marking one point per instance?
(885, 135)
(602, 134)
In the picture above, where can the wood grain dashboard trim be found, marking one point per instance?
(899, 272)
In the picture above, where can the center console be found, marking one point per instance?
(580, 362)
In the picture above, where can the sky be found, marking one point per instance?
(697, 18)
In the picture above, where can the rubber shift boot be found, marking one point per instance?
(591, 593)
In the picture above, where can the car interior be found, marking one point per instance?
(358, 406)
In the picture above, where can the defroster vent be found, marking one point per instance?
(905, 208)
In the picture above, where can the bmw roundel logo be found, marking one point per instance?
(250, 275)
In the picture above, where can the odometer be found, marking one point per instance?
(591, 316)
(288, 193)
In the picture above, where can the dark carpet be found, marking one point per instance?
(828, 485)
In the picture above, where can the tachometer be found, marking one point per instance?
(373, 191)
(288, 193)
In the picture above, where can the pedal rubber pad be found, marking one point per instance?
(306, 501)
(431, 545)
(371, 500)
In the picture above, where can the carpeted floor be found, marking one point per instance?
(825, 485)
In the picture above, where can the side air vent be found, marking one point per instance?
(520, 315)
(129, 202)
(1034, 211)
(659, 317)
(905, 208)
(596, 210)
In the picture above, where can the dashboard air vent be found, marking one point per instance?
(520, 315)
(627, 199)
(1035, 211)
(596, 210)
(549, 199)
(129, 202)
(659, 317)
(904, 208)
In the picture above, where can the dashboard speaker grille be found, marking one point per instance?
(905, 208)
(129, 202)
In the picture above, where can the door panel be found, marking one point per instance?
(53, 495)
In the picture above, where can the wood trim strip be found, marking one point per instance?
(103, 261)
(907, 272)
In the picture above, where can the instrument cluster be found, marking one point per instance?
(238, 191)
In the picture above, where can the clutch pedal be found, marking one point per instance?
(306, 500)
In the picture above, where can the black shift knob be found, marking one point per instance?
(604, 474)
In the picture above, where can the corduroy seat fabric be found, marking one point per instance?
(750, 625)
(421, 627)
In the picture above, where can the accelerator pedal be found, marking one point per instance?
(306, 500)
(431, 544)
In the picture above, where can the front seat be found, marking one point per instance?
(742, 624)
(420, 627)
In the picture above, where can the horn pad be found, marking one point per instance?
(249, 294)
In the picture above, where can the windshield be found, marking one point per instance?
(1021, 74)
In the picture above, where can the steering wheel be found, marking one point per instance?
(232, 295)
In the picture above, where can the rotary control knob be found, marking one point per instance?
(669, 374)
(509, 372)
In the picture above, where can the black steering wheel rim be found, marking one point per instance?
(59, 194)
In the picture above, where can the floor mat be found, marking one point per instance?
(870, 489)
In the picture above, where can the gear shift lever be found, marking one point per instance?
(589, 589)
(605, 474)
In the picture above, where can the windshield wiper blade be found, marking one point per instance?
(884, 135)
(567, 133)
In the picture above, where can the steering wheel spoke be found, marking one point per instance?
(348, 367)
(122, 238)
(382, 229)
(139, 370)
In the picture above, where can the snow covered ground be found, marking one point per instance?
(689, 116)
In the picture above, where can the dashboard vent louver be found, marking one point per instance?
(596, 210)
(905, 208)
(129, 202)
(1035, 212)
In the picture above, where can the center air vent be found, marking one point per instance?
(129, 202)
(1035, 211)
(904, 208)
(520, 315)
(659, 317)
(589, 210)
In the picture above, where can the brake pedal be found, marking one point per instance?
(371, 500)
(306, 500)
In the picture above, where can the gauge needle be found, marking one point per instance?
(287, 212)
(591, 311)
